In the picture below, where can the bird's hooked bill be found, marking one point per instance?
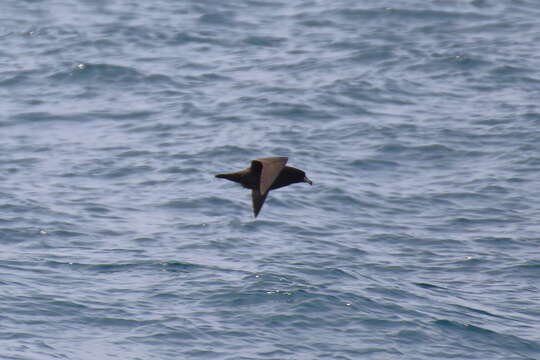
(308, 181)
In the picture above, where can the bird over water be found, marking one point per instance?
(265, 175)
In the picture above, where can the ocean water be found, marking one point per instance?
(418, 121)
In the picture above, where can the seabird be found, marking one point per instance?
(265, 175)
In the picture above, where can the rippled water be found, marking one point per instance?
(418, 122)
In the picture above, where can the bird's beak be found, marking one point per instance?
(308, 181)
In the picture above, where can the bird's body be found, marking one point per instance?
(265, 175)
(251, 180)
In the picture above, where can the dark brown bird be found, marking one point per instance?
(265, 175)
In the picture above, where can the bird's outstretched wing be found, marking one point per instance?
(258, 201)
(269, 169)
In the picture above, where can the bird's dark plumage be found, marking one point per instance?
(265, 175)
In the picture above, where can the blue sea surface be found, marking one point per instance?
(418, 122)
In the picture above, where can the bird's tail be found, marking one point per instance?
(230, 176)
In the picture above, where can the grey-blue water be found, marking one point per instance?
(418, 121)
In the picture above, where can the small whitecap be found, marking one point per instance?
(81, 66)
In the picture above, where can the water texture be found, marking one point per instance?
(418, 122)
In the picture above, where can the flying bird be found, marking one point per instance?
(265, 175)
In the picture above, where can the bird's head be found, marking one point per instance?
(298, 176)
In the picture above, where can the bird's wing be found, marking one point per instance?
(271, 167)
(258, 201)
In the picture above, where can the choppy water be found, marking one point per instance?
(418, 122)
